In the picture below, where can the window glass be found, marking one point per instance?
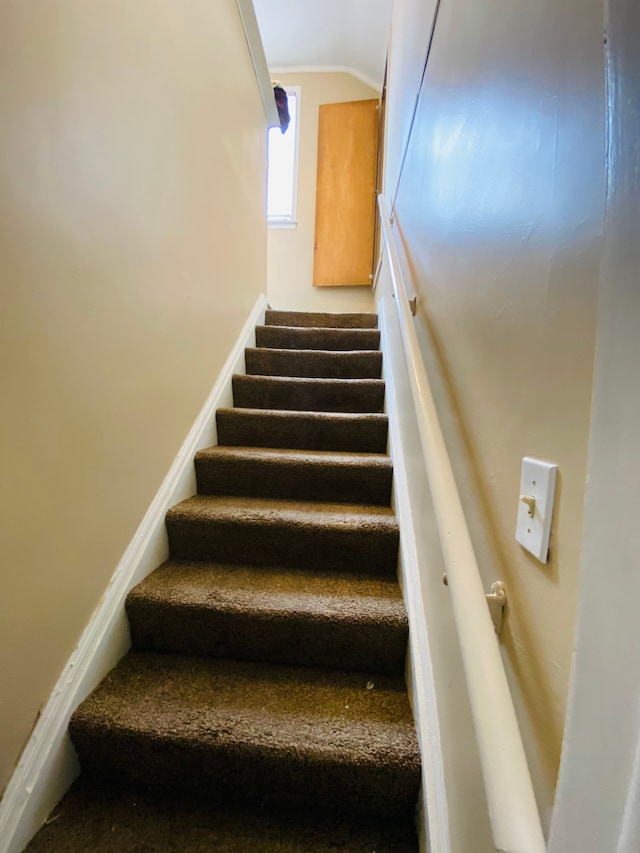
(282, 167)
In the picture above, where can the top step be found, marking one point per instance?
(321, 320)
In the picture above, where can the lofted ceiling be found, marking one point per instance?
(332, 34)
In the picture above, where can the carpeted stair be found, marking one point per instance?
(262, 706)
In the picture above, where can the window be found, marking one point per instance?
(282, 172)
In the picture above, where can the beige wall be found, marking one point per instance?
(408, 45)
(131, 184)
(291, 250)
(598, 802)
(500, 209)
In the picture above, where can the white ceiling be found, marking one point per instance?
(314, 34)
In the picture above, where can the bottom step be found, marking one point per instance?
(95, 818)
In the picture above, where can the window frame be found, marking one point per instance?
(289, 221)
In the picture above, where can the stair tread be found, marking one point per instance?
(350, 354)
(289, 456)
(323, 715)
(308, 393)
(273, 361)
(100, 818)
(314, 381)
(274, 591)
(310, 331)
(321, 319)
(312, 475)
(335, 431)
(320, 338)
(249, 510)
(356, 417)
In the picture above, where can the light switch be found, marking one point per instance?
(535, 506)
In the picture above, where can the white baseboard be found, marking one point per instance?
(48, 763)
(432, 818)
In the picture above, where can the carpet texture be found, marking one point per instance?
(365, 364)
(98, 818)
(262, 706)
(310, 475)
(337, 620)
(289, 337)
(308, 395)
(303, 430)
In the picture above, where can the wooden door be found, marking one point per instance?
(345, 193)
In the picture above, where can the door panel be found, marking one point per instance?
(345, 193)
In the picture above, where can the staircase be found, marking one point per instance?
(262, 706)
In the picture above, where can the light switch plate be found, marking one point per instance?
(537, 481)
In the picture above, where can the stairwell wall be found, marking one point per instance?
(133, 247)
(499, 211)
(598, 802)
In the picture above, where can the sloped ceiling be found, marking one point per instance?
(326, 33)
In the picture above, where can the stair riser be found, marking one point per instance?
(242, 429)
(236, 771)
(321, 320)
(261, 392)
(310, 546)
(305, 482)
(317, 339)
(314, 364)
(276, 638)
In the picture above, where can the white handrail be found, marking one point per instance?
(513, 813)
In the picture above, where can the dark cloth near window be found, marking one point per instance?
(282, 104)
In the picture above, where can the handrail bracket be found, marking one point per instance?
(497, 601)
(413, 304)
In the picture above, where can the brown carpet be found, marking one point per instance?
(310, 475)
(290, 337)
(365, 364)
(98, 818)
(263, 706)
(303, 430)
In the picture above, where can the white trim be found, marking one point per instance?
(256, 49)
(48, 764)
(275, 224)
(433, 805)
(328, 69)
